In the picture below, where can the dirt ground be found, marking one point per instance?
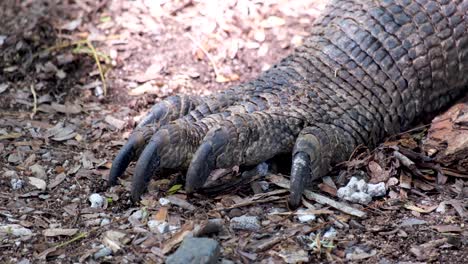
(61, 126)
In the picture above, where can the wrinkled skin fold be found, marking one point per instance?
(368, 70)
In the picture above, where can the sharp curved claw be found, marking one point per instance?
(126, 154)
(300, 171)
(148, 163)
(204, 160)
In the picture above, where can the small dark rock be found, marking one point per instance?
(196, 250)
(236, 212)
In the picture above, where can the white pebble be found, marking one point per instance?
(105, 221)
(16, 184)
(330, 233)
(358, 191)
(97, 201)
(164, 201)
(304, 216)
(376, 190)
(158, 226)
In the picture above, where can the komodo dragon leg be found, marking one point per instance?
(368, 70)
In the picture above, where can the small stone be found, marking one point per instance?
(10, 174)
(361, 186)
(196, 250)
(376, 190)
(164, 201)
(158, 226)
(14, 158)
(358, 191)
(359, 197)
(330, 233)
(105, 221)
(236, 212)
(24, 261)
(249, 223)
(264, 185)
(103, 252)
(304, 216)
(16, 184)
(97, 201)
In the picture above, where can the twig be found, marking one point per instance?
(251, 202)
(75, 238)
(98, 63)
(206, 54)
(93, 52)
(33, 91)
(284, 183)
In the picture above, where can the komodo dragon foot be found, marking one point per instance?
(368, 70)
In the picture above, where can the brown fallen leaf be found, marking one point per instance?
(177, 238)
(377, 173)
(405, 180)
(328, 189)
(161, 215)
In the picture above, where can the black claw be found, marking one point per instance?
(147, 165)
(204, 160)
(300, 171)
(126, 154)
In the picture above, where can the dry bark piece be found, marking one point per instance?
(117, 123)
(448, 228)
(57, 180)
(427, 250)
(38, 183)
(53, 232)
(67, 108)
(448, 137)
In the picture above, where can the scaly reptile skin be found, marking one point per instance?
(368, 70)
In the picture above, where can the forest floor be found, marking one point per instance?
(61, 126)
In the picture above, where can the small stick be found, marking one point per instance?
(206, 53)
(98, 63)
(33, 91)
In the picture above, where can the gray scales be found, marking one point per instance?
(368, 70)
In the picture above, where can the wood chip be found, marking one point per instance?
(116, 123)
(67, 108)
(447, 228)
(38, 183)
(57, 180)
(421, 209)
(52, 232)
(181, 202)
